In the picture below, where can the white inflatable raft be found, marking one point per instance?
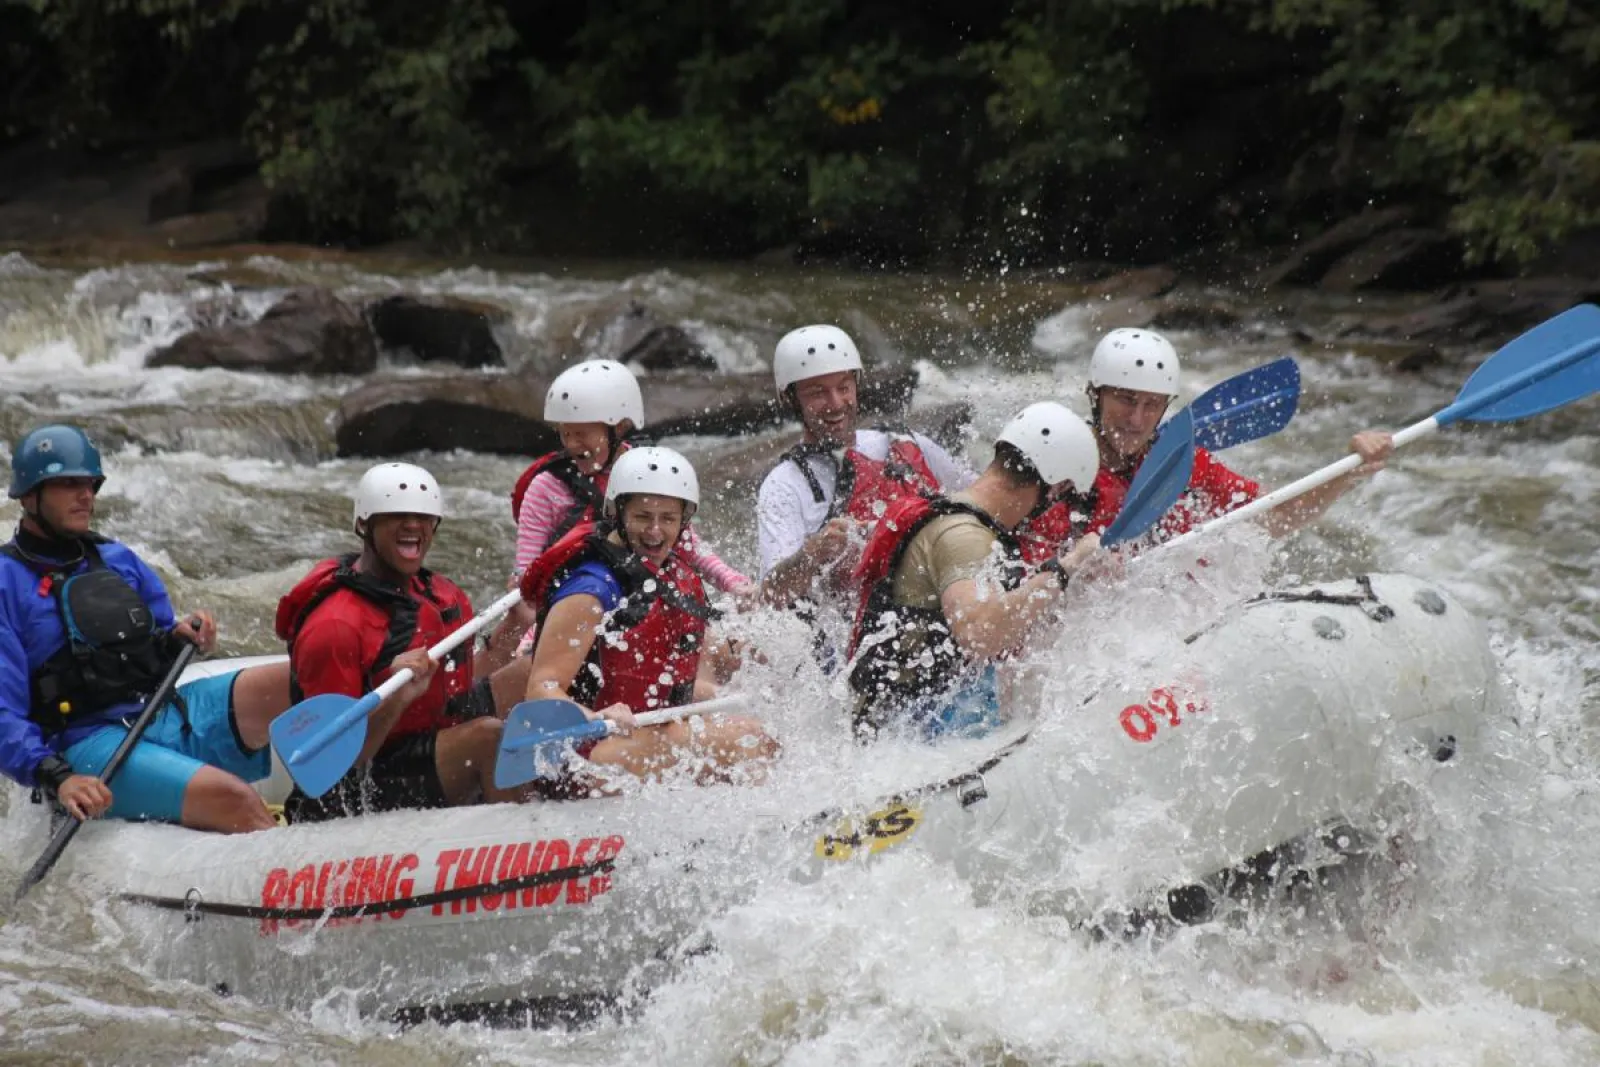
(1285, 715)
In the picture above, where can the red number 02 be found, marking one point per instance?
(1140, 721)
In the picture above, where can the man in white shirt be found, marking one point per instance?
(814, 504)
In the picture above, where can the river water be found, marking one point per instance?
(226, 483)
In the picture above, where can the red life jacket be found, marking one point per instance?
(588, 491)
(390, 621)
(1213, 489)
(863, 486)
(647, 650)
(883, 671)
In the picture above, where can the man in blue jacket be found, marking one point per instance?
(87, 633)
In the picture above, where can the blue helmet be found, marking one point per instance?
(54, 452)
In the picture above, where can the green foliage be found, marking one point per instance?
(1517, 177)
(1488, 107)
(363, 116)
(764, 118)
(1066, 100)
(783, 119)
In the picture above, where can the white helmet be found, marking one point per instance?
(600, 390)
(398, 489)
(1060, 445)
(656, 471)
(1135, 359)
(812, 351)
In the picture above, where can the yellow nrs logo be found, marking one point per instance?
(880, 830)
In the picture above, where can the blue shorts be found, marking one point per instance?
(152, 782)
(972, 710)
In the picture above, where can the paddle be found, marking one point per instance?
(538, 734)
(1551, 365)
(323, 735)
(1162, 478)
(69, 829)
(1254, 404)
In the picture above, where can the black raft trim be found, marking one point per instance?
(193, 906)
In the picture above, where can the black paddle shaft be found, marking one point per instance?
(58, 843)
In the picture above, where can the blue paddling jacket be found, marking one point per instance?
(33, 631)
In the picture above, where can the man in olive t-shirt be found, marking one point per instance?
(956, 600)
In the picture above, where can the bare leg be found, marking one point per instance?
(509, 684)
(260, 694)
(216, 800)
(464, 756)
(724, 740)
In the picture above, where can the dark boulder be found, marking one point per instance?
(309, 331)
(440, 329)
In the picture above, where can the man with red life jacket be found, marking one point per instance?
(1133, 379)
(623, 623)
(945, 594)
(839, 478)
(356, 619)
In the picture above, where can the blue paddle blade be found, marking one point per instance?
(1552, 364)
(1248, 406)
(319, 739)
(1162, 478)
(535, 739)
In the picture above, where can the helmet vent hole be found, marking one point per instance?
(1045, 432)
(1138, 363)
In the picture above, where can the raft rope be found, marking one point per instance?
(193, 905)
(1368, 601)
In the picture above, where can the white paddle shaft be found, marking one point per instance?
(1314, 480)
(392, 686)
(705, 707)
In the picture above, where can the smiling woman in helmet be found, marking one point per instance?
(356, 619)
(596, 408)
(945, 596)
(1133, 380)
(623, 622)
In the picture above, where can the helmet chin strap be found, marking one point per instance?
(37, 515)
(1046, 501)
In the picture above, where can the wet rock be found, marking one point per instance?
(640, 336)
(440, 329)
(1311, 260)
(627, 330)
(504, 413)
(482, 413)
(1486, 312)
(309, 331)
(1409, 258)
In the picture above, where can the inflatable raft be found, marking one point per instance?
(1298, 709)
